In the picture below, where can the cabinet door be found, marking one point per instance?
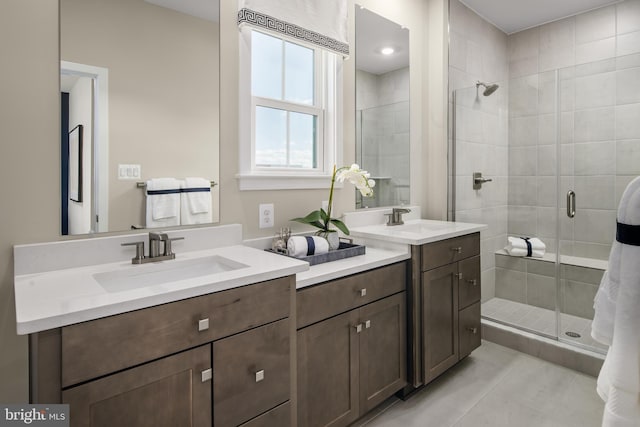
(328, 372)
(167, 392)
(470, 329)
(383, 350)
(469, 284)
(440, 320)
(251, 373)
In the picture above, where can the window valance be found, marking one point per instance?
(322, 23)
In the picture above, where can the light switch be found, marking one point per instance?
(126, 172)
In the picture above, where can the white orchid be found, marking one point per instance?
(358, 177)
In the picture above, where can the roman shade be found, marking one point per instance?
(321, 23)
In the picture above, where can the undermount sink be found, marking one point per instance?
(140, 276)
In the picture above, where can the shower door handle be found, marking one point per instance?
(571, 204)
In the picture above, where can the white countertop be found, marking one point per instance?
(55, 283)
(416, 231)
(51, 299)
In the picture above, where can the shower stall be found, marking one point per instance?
(554, 150)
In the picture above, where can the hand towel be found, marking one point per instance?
(617, 317)
(518, 246)
(300, 246)
(195, 201)
(163, 202)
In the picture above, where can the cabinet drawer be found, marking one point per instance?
(98, 347)
(251, 373)
(437, 254)
(469, 284)
(279, 416)
(329, 299)
(469, 329)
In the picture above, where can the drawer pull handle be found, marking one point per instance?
(457, 250)
(459, 276)
(473, 282)
(207, 374)
(358, 328)
(260, 375)
(473, 330)
(363, 292)
(367, 324)
(203, 324)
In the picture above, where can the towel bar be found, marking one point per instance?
(142, 184)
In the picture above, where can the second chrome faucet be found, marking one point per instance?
(395, 217)
(155, 240)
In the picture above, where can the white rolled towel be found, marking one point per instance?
(517, 246)
(301, 246)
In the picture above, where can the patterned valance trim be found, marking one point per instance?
(260, 20)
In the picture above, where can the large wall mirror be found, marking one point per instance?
(382, 107)
(142, 78)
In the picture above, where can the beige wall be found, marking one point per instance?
(29, 159)
(29, 137)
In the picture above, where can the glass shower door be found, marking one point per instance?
(599, 155)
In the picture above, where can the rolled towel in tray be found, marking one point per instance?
(301, 246)
(525, 246)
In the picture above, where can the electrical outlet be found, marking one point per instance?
(266, 215)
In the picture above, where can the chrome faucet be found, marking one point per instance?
(395, 217)
(154, 248)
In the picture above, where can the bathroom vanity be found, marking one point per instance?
(203, 340)
(443, 293)
(227, 334)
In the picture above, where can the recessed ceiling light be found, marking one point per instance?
(387, 50)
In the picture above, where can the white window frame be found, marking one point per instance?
(327, 107)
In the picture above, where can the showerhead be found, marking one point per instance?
(488, 89)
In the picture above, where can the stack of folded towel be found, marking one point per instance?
(617, 316)
(301, 246)
(525, 246)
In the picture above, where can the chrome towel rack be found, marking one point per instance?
(142, 184)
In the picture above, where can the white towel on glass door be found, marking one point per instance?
(163, 202)
(517, 246)
(195, 201)
(617, 319)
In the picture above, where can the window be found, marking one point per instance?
(289, 91)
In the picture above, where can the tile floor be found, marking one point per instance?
(497, 387)
(540, 320)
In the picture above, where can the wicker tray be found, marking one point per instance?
(345, 250)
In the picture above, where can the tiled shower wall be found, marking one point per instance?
(598, 57)
(383, 122)
(478, 52)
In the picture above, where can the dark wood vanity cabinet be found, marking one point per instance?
(220, 359)
(351, 345)
(446, 296)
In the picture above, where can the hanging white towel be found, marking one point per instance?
(517, 246)
(163, 202)
(617, 319)
(300, 246)
(195, 201)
